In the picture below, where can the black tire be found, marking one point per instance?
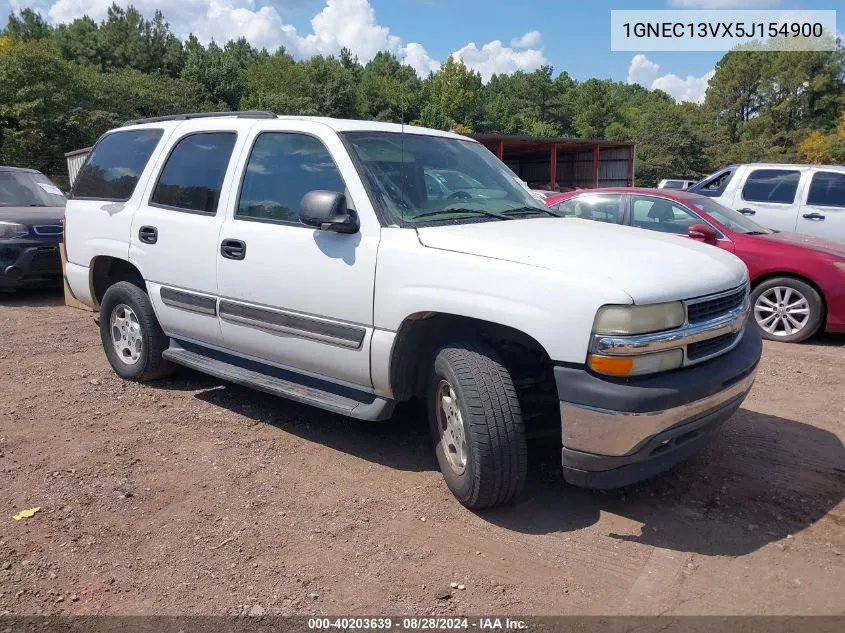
(149, 364)
(496, 463)
(814, 303)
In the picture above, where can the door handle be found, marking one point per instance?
(813, 216)
(148, 234)
(233, 249)
(747, 211)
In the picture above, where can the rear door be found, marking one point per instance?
(822, 210)
(770, 196)
(174, 237)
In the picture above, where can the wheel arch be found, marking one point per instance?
(107, 271)
(422, 333)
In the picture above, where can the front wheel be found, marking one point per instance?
(476, 422)
(787, 309)
(132, 338)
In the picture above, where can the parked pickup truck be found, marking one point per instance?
(808, 199)
(304, 257)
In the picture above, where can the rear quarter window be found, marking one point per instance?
(115, 165)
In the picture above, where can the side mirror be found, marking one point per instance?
(703, 233)
(326, 210)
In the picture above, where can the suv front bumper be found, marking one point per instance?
(618, 431)
(28, 262)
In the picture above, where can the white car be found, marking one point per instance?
(304, 257)
(675, 184)
(808, 199)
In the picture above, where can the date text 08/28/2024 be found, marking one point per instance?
(417, 624)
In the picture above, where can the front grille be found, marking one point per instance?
(46, 263)
(711, 308)
(703, 349)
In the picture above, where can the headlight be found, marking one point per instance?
(636, 365)
(630, 319)
(10, 230)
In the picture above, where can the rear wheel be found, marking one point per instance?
(131, 335)
(787, 309)
(476, 422)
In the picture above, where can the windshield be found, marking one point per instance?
(733, 220)
(28, 189)
(419, 179)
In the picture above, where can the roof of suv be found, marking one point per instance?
(338, 125)
(783, 166)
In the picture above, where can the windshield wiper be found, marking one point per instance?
(532, 210)
(464, 210)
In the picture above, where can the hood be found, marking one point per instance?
(650, 267)
(32, 215)
(810, 242)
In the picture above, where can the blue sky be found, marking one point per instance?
(490, 36)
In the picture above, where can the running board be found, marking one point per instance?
(279, 382)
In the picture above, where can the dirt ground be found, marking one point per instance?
(191, 496)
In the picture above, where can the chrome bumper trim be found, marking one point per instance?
(729, 323)
(605, 432)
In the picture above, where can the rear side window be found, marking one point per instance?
(601, 208)
(771, 185)
(827, 189)
(115, 165)
(282, 168)
(193, 174)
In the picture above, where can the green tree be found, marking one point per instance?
(27, 25)
(389, 91)
(455, 89)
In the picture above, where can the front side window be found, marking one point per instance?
(115, 165)
(827, 189)
(714, 185)
(599, 207)
(420, 179)
(29, 189)
(659, 214)
(282, 168)
(193, 174)
(771, 185)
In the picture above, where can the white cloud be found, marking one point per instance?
(529, 40)
(493, 58)
(645, 72)
(415, 56)
(340, 23)
(642, 71)
(722, 4)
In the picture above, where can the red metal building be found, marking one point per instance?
(564, 163)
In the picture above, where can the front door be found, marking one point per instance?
(770, 197)
(289, 294)
(822, 210)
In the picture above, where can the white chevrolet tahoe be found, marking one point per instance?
(308, 258)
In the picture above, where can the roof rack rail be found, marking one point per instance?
(246, 114)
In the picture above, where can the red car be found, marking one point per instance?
(797, 281)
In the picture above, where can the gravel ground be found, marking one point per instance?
(191, 496)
